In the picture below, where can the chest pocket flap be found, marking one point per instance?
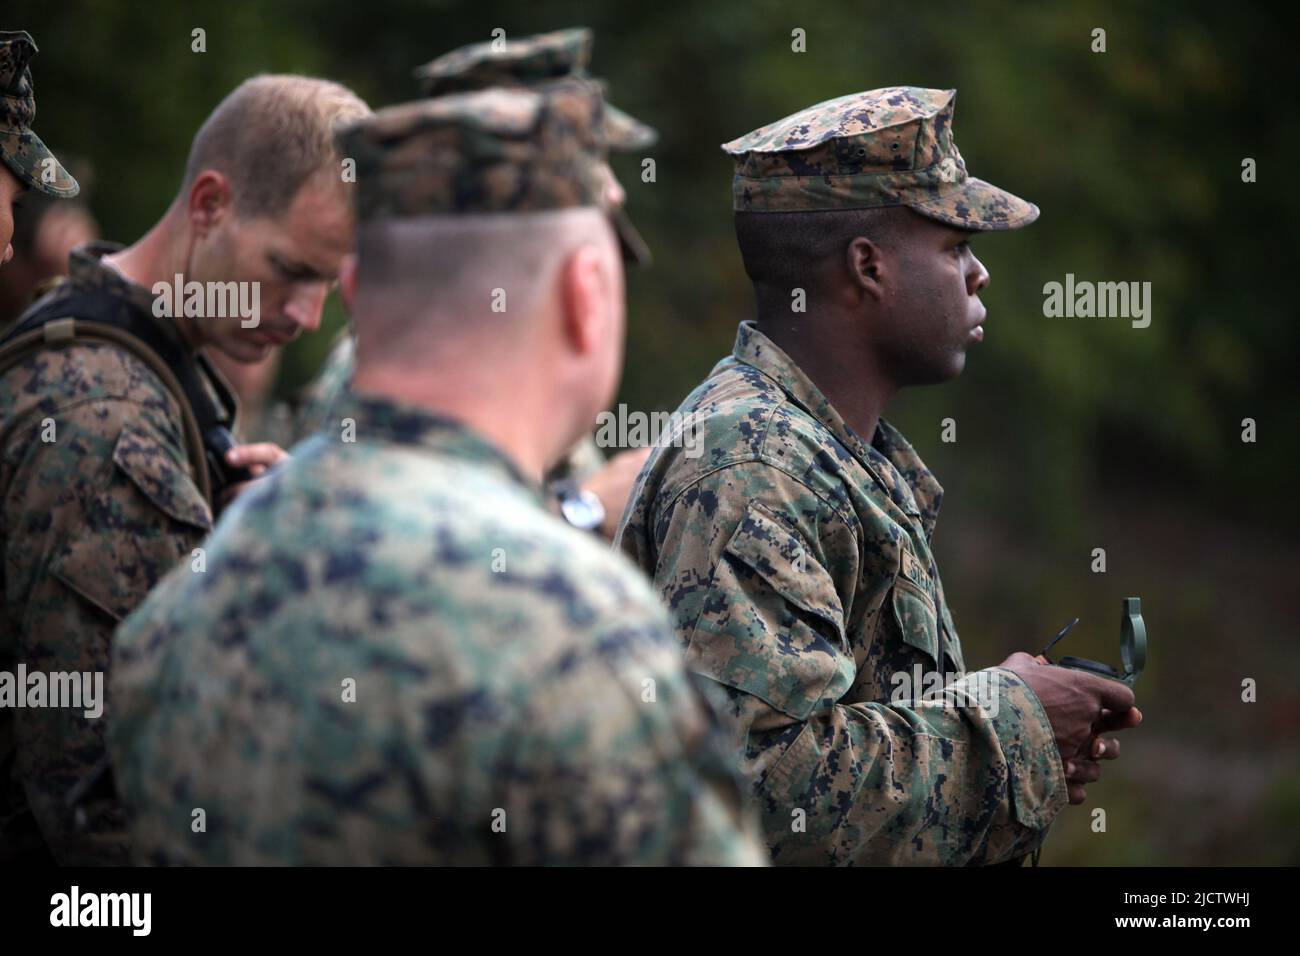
(919, 624)
(121, 553)
(161, 479)
(915, 617)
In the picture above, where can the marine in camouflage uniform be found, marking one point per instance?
(92, 520)
(795, 555)
(511, 695)
(522, 62)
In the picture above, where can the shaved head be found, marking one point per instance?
(512, 323)
(425, 284)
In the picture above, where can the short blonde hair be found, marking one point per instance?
(269, 136)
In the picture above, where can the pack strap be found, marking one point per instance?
(53, 323)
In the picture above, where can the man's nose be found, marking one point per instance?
(306, 305)
(977, 278)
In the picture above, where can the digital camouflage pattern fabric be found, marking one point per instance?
(795, 560)
(529, 61)
(21, 149)
(889, 147)
(517, 695)
(98, 503)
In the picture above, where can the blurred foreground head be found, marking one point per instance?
(25, 162)
(488, 261)
(46, 230)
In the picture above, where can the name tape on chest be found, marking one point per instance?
(915, 572)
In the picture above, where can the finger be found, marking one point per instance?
(266, 453)
(1079, 770)
(1115, 696)
(1105, 748)
(1078, 793)
(257, 470)
(1111, 721)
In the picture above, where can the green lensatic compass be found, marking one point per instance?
(1132, 647)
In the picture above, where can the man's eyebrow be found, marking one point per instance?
(299, 270)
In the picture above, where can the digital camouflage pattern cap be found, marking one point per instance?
(525, 62)
(20, 148)
(500, 150)
(889, 147)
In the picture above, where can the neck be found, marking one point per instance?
(852, 381)
(159, 256)
(515, 420)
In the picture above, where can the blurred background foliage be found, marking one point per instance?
(1072, 434)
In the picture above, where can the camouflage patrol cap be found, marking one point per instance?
(890, 147)
(524, 62)
(500, 150)
(20, 148)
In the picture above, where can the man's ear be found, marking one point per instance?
(348, 280)
(868, 269)
(209, 200)
(584, 298)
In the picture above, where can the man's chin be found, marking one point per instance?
(246, 352)
(939, 376)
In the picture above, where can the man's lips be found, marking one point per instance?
(276, 337)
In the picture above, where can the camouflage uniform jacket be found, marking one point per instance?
(795, 561)
(90, 521)
(516, 693)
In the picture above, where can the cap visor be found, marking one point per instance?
(635, 250)
(625, 133)
(979, 207)
(33, 163)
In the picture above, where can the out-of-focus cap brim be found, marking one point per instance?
(635, 250)
(625, 133)
(32, 162)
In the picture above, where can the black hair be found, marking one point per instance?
(785, 250)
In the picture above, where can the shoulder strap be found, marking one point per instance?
(69, 315)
